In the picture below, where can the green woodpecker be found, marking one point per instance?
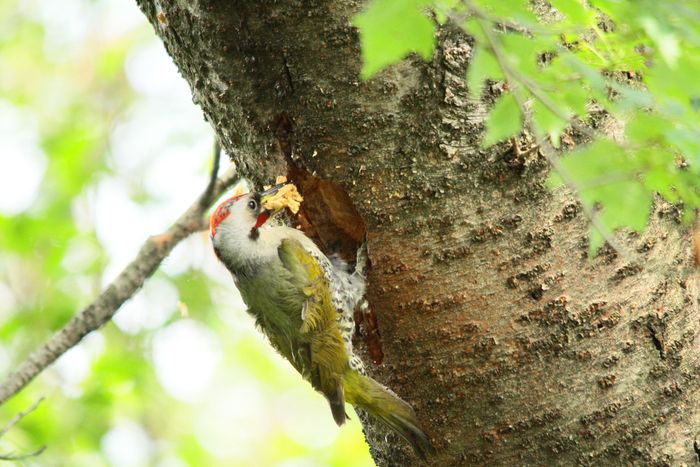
(304, 303)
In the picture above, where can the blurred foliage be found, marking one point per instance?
(70, 106)
(636, 62)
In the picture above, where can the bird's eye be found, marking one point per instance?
(252, 204)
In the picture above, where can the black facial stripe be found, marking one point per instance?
(257, 198)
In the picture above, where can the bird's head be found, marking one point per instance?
(242, 213)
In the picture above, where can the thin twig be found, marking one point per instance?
(19, 417)
(607, 179)
(216, 155)
(16, 419)
(19, 457)
(129, 281)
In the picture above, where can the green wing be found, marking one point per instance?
(328, 357)
(307, 275)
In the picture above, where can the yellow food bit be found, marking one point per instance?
(286, 197)
(278, 181)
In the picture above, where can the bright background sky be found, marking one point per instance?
(206, 389)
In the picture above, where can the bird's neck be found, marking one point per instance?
(244, 252)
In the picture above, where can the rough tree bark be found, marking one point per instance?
(512, 346)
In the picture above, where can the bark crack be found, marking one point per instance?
(657, 338)
(287, 72)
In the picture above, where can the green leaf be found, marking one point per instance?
(605, 174)
(576, 98)
(574, 10)
(517, 10)
(482, 66)
(675, 88)
(631, 99)
(592, 78)
(646, 127)
(473, 27)
(625, 204)
(687, 188)
(504, 120)
(662, 181)
(555, 180)
(524, 52)
(666, 41)
(392, 29)
(547, 122)
(687, 141)
(595, 241)
(591, 162)
(442, 9)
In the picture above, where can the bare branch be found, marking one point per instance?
(129, 281)
(16, 419)
(19, 457)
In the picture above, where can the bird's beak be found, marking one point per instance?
(269, 193)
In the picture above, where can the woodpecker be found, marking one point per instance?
(304, 304)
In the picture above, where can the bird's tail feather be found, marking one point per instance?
(367, 394)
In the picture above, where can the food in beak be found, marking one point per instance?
(282, 195)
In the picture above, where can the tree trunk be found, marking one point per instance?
(512, 346)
